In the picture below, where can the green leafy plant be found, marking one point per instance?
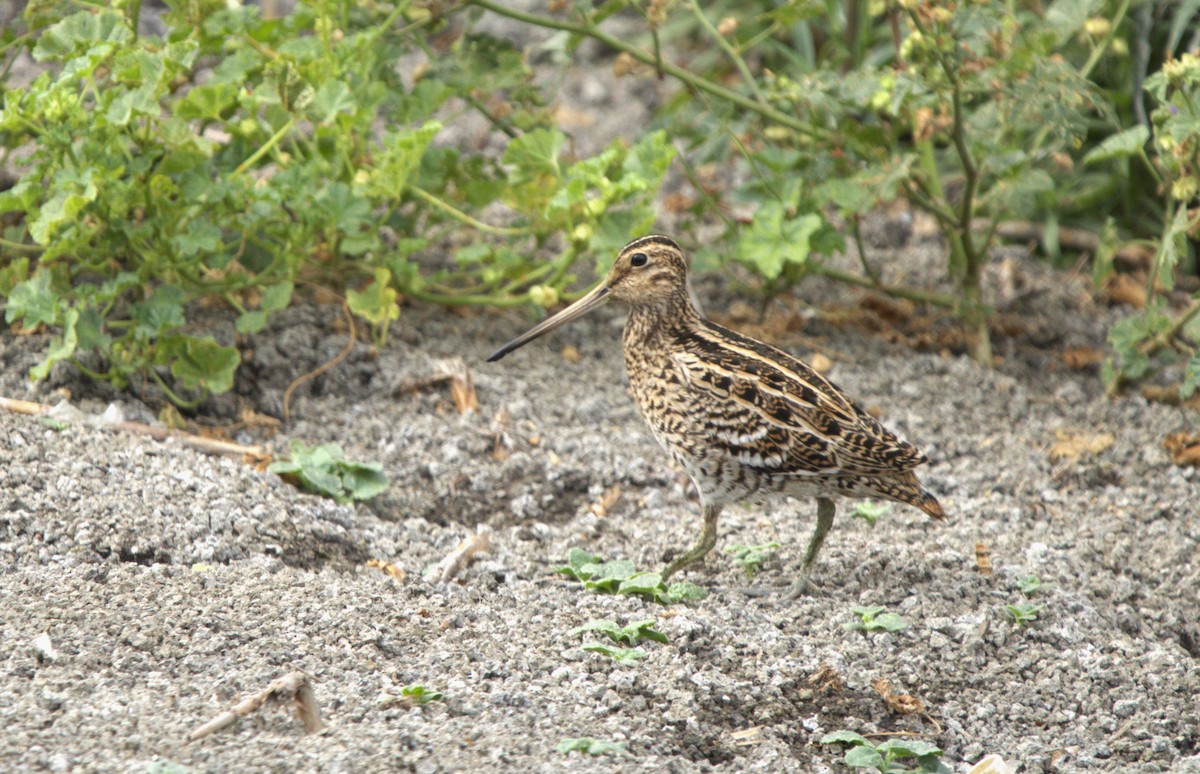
(888, 757)
(235, 157)
(324, 470)
(417, 695)
(621, 577)
(873, 619)
(589, 746)
(626, 635)
(1030, 584)
(869, 511)
(1023, 612)
(751, 558)
(1158, 336)
(623, 656)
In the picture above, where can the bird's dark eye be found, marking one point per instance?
(638, 259)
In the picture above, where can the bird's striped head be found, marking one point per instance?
(648, 271)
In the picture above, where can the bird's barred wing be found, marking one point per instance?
(773, 412)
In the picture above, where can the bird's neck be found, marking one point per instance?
(666, 319)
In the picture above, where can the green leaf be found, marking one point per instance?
(888, 622)
(325, 470)
(62, 207)
(1191, 378)
(533, 157)
(774, 239)
(60, 349)
(1120, 145)
(201, 237)
(844, 737)
(78, 31)
(377, 303)
(208, 102)
(161, 312)
(398, 158)
(905, 748)
(202, 364)
(420, 695)
(577, 559)
(331, 98)
(641, 583)
(870, 512)
(686, 592)
(865, 757)
(364, 480)
(33, 302)
(250, 322)
(590, 746)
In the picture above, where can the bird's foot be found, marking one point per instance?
(802, 587)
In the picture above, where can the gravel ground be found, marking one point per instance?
(169, 585)
(172, 584)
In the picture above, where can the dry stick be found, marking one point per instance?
(299, 380)
(197, 442)
(458, 559)
(294, 685)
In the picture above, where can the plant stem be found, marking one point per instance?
(463, 217)
(691, 79)
(271, 142)
(899, 291)
(1099, 50)
(729, 50)
(856, 230)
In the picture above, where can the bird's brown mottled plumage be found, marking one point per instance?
(743, 418)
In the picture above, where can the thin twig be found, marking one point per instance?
(294, 685)
(299, 380)
(197, 442)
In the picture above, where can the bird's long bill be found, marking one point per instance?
(577, 309)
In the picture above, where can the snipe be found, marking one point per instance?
(744, 419)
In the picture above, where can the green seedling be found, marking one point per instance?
(324, 470)
(624, 635)
(870, 512)
(590, 746)
(417, 695)
(621, 577)
(1030, 584)
(623, 656)
(886, 757)
(873, 619)
(751, 558)
(1023, 613)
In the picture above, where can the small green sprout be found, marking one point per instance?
(417, 695)
(873, 619)
(624, 635)
(623, 656)
(54, 424)
(751, 558)
(1023, 612)
(1030, 584)
(621, 577)
(862, 754)
(324, 470)
(590, 746)
(870, 512)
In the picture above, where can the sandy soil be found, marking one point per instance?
(172, 584)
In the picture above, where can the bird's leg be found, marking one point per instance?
(708, 539)
(825, 511)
